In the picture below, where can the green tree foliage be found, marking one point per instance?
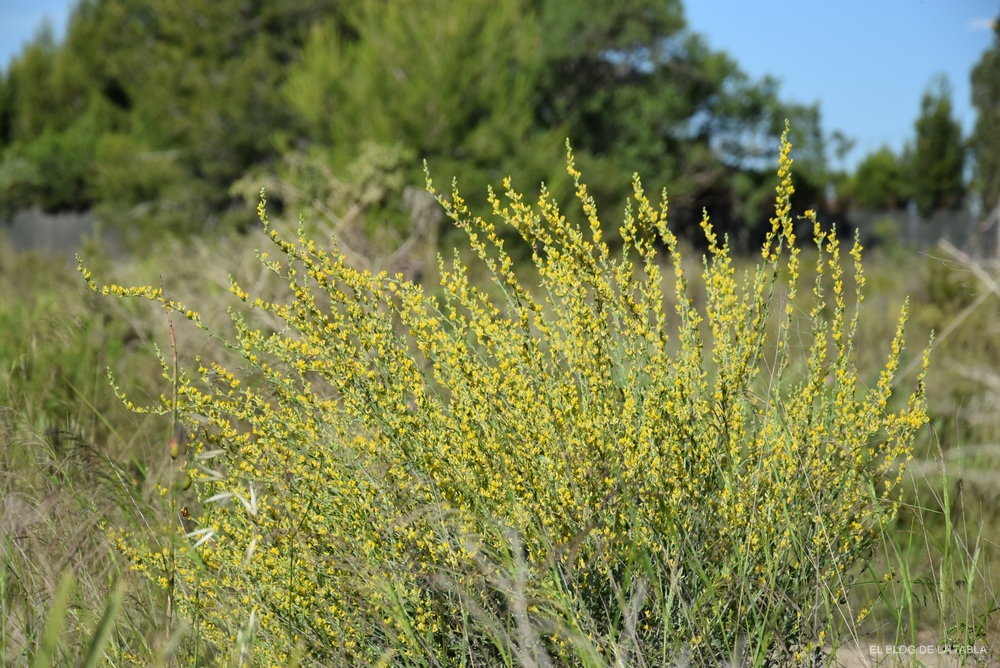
(928, 171)
(985, 138)
(497, 87)
(151, 109)
(442, 77)
(635, 88)
(49, 128)
(881, 181)
(939, 153)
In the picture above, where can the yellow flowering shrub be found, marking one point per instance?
(551, 479)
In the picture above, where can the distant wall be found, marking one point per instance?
(960, 228)
(65, 233)
(56, 234)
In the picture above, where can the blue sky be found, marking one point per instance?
(20, 19)
(867, 62)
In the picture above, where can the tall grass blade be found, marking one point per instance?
(96, 650)
(54, 623)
